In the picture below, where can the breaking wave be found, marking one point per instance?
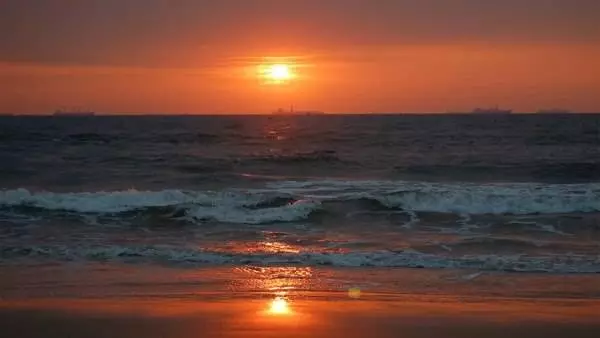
(231, 207)
(295, 201)
(460, 198)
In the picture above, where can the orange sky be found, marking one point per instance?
(350, 56)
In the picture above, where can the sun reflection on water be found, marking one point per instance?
(279, 281)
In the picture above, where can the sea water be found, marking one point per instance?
(518, 193)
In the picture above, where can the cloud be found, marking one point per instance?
(201, 32)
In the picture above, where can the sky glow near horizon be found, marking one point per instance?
(347, 55)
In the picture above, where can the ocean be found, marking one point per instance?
(517, 193)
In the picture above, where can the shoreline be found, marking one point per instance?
(119, 300)
(308, 318)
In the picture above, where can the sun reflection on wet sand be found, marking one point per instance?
(279, 307)
(282, 285)
(277, 316)
(288, 301)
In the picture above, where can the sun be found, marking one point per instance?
(277, 73)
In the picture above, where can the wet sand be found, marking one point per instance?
(309, 318)
(149, 301)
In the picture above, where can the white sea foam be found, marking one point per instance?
(408, 259)
(269, 204)
(100, 202)
(460, 198)
(234, 207)
(296, 211)
(542, 226)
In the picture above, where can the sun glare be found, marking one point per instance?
(279, 306)
(277, 73)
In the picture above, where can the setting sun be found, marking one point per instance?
(279, 72)
(276, 73)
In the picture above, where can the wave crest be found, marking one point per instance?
(294, 201)
(459, 198)
(407, 259)
(232, 207)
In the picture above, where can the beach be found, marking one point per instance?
(300, 226)
(299, 168)
(100, 300)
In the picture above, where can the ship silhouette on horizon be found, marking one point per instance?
(292, 111)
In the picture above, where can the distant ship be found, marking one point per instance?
(73, 113)
(553, 111)
(292, 111)
(491, 111)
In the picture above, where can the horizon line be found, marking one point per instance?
(96, 114)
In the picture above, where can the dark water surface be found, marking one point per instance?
(508, 193)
